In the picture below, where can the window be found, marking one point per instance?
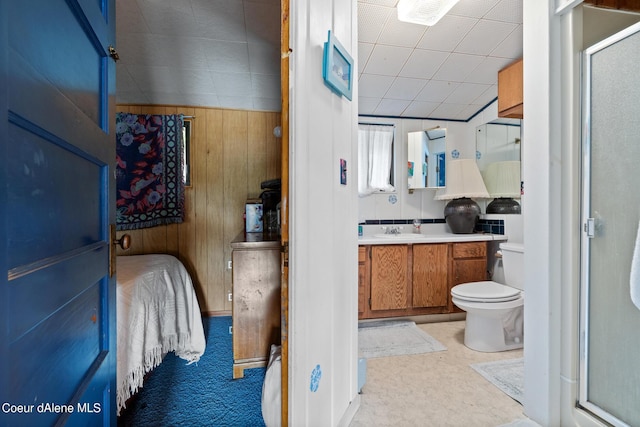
(375, 158)
(186, 152)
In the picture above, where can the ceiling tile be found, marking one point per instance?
(423, 63)
(391, 107)
(226, 56)
(447, 33)
(374, 85)
(129, 18)
(511, 47)
(387, 60)
(232, 84)
(236, 102)
(466, 93)
(457, 67)
(265, 85)
(506, 11)
(487, 71)
(170, 80)
(444, 111)
(404, 88)
(489, 95)
(267, 104)
(125, 81)
(367, 105)
(364, 52)
(170, 17)
(436, 91)
(484, 37)
(397, 33)
(473, 8)
(420, 109)
(264, 58)
(262, 23)
(371, 20)
(220, 19)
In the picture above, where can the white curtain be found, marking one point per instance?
(375, 145)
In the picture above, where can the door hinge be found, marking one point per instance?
(113, 53)
(590, 228)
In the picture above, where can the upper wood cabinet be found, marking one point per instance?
(510, 92)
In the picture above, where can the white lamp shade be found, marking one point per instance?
(463, 180)
(423, 12)
(503, 179)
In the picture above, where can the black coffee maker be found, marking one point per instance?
(270, 197)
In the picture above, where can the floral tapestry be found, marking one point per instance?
(150, 190)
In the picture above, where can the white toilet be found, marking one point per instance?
(494, 310)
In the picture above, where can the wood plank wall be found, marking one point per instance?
(232, 152)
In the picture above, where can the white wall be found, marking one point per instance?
(323, 259)
(460, 136)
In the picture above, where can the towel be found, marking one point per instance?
(634, 279)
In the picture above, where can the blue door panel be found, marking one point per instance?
(50, 37)
(73, 276)
(57, 299)
(55, 182)
(70, 334)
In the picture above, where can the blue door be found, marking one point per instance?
(57, 298)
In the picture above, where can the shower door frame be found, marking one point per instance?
(588, 227)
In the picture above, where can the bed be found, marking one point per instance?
(157, 312)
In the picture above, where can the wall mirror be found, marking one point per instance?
(426, 166)
(497, 141)
(498, 146)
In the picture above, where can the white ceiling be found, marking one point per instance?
(225, 53)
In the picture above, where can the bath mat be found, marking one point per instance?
(507, 375)
(394, 338)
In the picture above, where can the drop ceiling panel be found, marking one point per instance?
(403, 88)
(484, 37)
(226, 53)
(387, 60)
(374, 85)
(423, 64)
(447, 34)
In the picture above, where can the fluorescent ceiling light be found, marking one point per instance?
(423, 12)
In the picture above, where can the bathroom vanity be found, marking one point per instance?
(411, 275)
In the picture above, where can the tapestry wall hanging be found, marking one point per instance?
(149, 184)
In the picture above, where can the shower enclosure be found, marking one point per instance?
(610, 322)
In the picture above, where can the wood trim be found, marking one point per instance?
(284, 209)
(630, 5)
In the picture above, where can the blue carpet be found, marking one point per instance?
(205, 394)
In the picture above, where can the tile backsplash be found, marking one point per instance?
(493, 226)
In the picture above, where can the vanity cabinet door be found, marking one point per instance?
(389, 277)
(430, 278)
(363, 280)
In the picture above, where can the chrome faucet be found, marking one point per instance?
(392, 230)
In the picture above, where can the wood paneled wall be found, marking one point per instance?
(232, 152)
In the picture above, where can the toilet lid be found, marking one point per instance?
(485, 292)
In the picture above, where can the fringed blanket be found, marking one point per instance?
(157, 312)
(150, 189)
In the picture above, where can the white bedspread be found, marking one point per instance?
(157, 313)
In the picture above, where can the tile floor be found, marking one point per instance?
(436, 389)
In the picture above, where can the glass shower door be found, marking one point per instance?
(610, 322)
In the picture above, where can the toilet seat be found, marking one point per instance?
(485, 292)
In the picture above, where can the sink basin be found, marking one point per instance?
(406, 236)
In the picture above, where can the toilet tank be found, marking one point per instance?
(513, 264)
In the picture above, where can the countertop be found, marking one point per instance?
(404, 238)
(246, 240)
